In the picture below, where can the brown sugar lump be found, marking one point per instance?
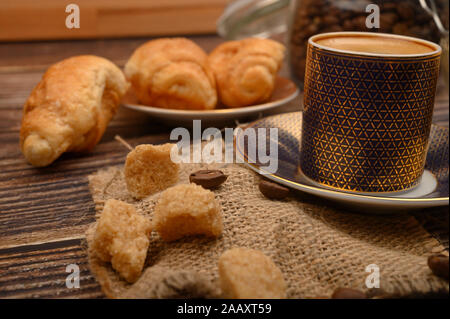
(187, 209)
(150, 169)
(122, 238)
(249, 274)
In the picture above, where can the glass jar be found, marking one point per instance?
(404, 17)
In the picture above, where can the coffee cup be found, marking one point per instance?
(368, 104)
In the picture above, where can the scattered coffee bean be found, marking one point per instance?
(208, 178)
(439, 265)
(348, 293)
(273, 190)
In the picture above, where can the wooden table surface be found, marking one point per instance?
(44, 212)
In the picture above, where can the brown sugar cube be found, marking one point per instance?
(149, 169)
(249, 274)
(122, 238)
(187, 209)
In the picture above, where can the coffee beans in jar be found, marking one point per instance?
(310, 17)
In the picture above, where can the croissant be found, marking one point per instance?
(245, 70)
(69, 109)
(172, 73)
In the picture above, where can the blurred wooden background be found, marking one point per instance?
(45, 19)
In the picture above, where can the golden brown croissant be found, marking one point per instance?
(172, 73)
(69, 109)
(245, 70)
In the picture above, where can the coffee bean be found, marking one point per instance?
(311, 30)
(439, 265)
(405, 10)
(359, 23)
(400, 28)
(330, 20)
(208, 178)
(390, 6)
(333, 28)
(348, 293)
(388, 19)
(347, 25)
(273, 190)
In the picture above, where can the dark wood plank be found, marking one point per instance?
(40, 271)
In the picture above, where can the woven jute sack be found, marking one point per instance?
(318, 248)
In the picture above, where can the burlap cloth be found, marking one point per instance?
(318, 248)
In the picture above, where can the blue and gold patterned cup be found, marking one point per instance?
(368, 104)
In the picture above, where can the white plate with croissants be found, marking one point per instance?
(170, 78)
(175, 80)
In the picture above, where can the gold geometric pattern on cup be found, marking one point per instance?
(364, 120)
